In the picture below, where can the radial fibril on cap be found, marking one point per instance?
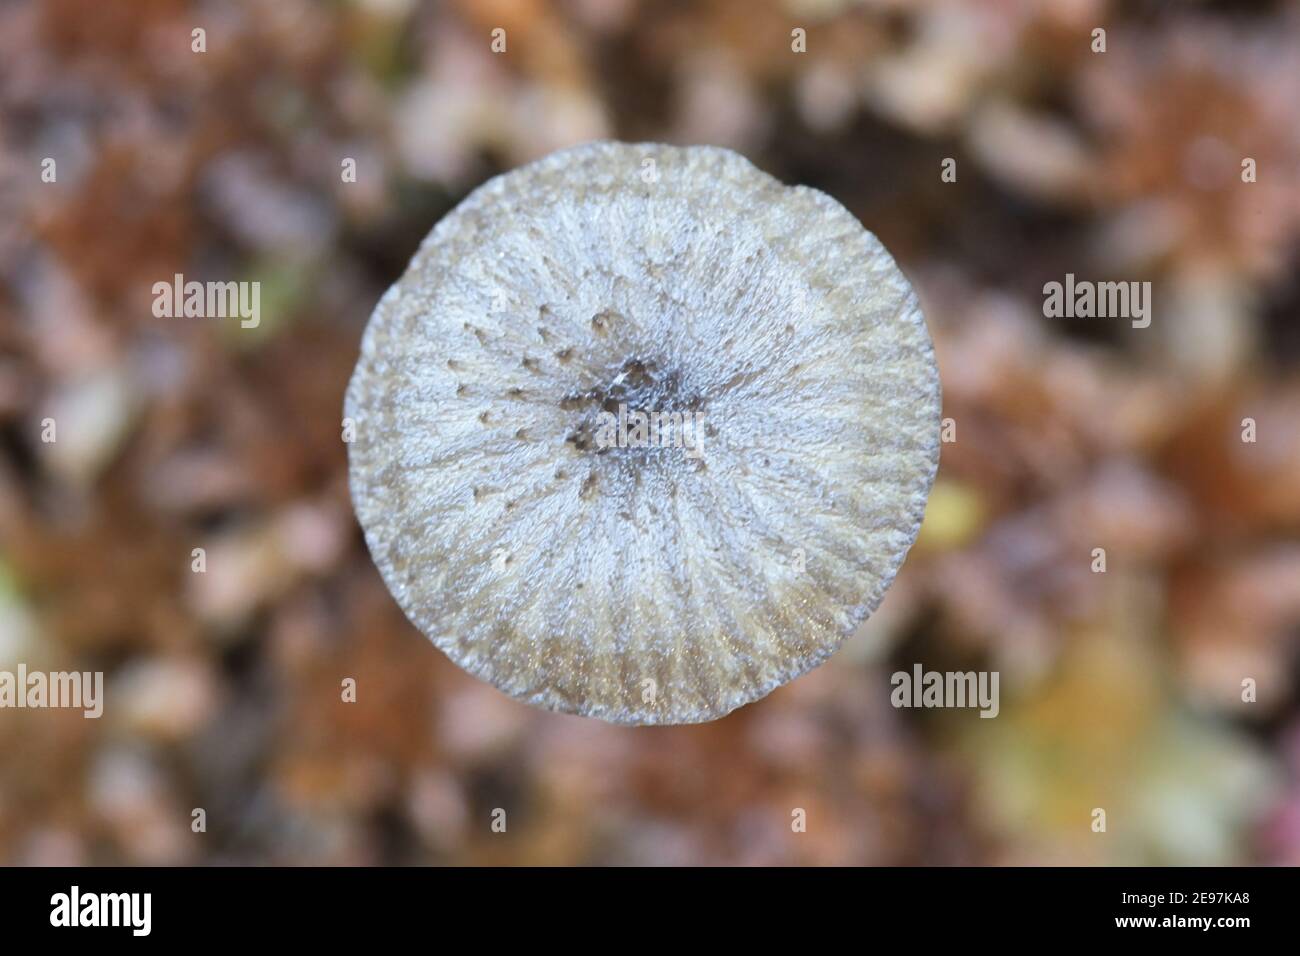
(642, 584)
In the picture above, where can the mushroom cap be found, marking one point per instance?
(643, 583)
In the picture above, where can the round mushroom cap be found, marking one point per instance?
(642, 433)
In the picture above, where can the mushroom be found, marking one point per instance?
(676, 577)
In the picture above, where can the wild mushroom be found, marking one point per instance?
(658, 581)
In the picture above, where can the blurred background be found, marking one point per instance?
(1119, 690)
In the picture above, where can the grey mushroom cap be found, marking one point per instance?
(659, 582)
